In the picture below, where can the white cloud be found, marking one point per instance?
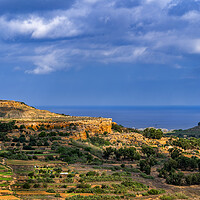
(38, 27)
(192, 16)
(145, 33)
(161, 3)
(48, 62)
(195, 46)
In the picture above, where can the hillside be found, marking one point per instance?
(50, 163)
(44, 155)
(31, 117)
(19, 110)
(191, 132)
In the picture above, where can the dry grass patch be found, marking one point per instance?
(65, 195)
(27, 193)
(23, 162)
(6, 192)
(95, 186)
(10, 197)
(71, 186)
(32, 162)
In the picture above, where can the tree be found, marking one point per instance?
(148, 150)
(175, 178)
(107, 152)
(175, 153)
(142, 164)
(170, 165)
(26, 186)
(147, 169)
(153, 133)
(6, 127)
(42, 134)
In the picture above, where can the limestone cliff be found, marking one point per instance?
(32, 117)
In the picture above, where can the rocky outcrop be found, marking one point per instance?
(35, 118)
(79, 127)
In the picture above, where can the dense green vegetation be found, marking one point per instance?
(173, 196)
(171, 169)
(151, 155)
(126, 187)
(191, 143)
(123, 153)
(7, 127)
(98, 141)
(191, 132)
(73, 154)
(121, 129)
(117, 128)
(103, 166)
(95, 197)
(153, 133)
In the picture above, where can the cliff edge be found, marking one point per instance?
(32, 117)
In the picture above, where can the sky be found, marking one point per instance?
(100, 52)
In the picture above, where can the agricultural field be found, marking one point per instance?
(123, 164)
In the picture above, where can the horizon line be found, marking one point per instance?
(117, 105)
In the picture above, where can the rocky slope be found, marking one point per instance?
(32, 117)
(19, 110)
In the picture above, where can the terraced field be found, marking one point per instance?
(51, 164)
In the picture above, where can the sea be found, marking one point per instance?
(167, 117)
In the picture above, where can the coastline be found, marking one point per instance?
(140, 117)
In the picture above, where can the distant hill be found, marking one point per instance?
(19, 110)
(191, 132)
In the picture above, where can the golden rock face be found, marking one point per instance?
(19, 110)
(32, 117)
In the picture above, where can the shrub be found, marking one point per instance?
(146, 176)
(175, 178)
(148, 150)
(36, 185)
(168, 197)
(42, 134)
(181, 196)
(94, 197)
(174, 196)
(155, 191)
(26, 186)
(122, 165)
(123, 153)
(117, 128)
(92, 173)
(99, 141)
(57, 195)
(51, 191)
(31, 174)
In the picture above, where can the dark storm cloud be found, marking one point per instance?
(27, 6)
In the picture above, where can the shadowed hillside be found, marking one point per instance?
(191, 132)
